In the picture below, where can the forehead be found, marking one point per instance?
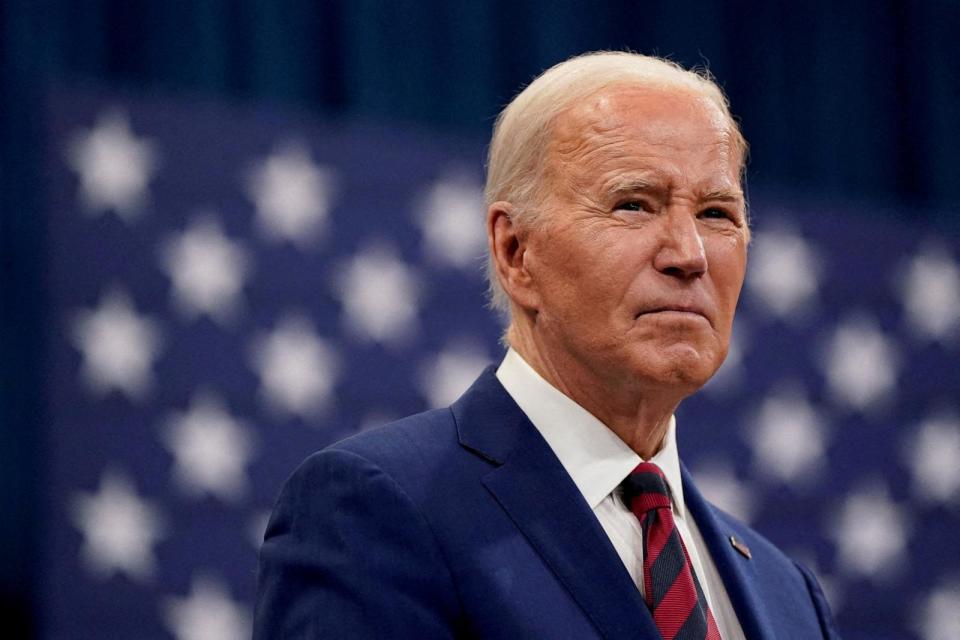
(666, 130)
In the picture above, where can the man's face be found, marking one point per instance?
(639, 262)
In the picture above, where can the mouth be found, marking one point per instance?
(676, 308)
(680, 311)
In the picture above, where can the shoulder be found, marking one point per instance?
(415, 441)
(789, 590)
(406, 456)
(400, 436)
(348, 536)
(359, 485)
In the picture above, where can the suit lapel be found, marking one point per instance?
(735, 570)
(536, 492)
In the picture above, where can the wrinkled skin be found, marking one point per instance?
(624, 297)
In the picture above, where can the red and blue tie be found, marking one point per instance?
(671, 590)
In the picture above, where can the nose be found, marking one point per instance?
(681, 253)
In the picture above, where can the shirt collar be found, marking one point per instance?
(594, 456)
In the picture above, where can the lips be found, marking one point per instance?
(677, 308)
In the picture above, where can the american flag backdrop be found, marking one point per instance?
(231, 288)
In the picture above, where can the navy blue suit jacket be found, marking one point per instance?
(462, 523)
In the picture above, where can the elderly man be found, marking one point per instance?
(549, 501)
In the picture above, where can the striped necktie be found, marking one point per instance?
(671, 590)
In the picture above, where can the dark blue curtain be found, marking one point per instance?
(855, 100)
(854, 97)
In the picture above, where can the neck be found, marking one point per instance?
(639, 415)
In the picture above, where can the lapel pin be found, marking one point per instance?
(742, 548)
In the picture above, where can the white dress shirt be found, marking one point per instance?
(598, 461)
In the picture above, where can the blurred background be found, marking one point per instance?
(234, 232)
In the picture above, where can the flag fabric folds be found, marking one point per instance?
(229, 289)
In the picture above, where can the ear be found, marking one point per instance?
(508, 249)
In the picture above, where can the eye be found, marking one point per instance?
(633, 205)
(716, 213)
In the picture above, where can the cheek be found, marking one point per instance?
(571, 268)
(728, 266)
(557, 277)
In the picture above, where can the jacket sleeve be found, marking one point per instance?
(347, 554)
(827, 625)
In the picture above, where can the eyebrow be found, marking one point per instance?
(635, 185)
(632, 185)
(723, 196)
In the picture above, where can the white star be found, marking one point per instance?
(208, 613)
(445, 377)
(119, 529)
(788, 438)
(783, 272)
(113, 165)
(870, 533)
(296, 367)
(118, 346)
(861, 365)
(940, 617)
(933, 454)
(451, 219)
(379, 295)
(211, 449)
(292, 195)
(930, 288)
(721, 486)
(207, 270)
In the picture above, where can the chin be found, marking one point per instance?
(686, 368)
(691, 379)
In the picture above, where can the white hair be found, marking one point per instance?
(521, 134)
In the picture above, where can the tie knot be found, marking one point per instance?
(646, 488)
